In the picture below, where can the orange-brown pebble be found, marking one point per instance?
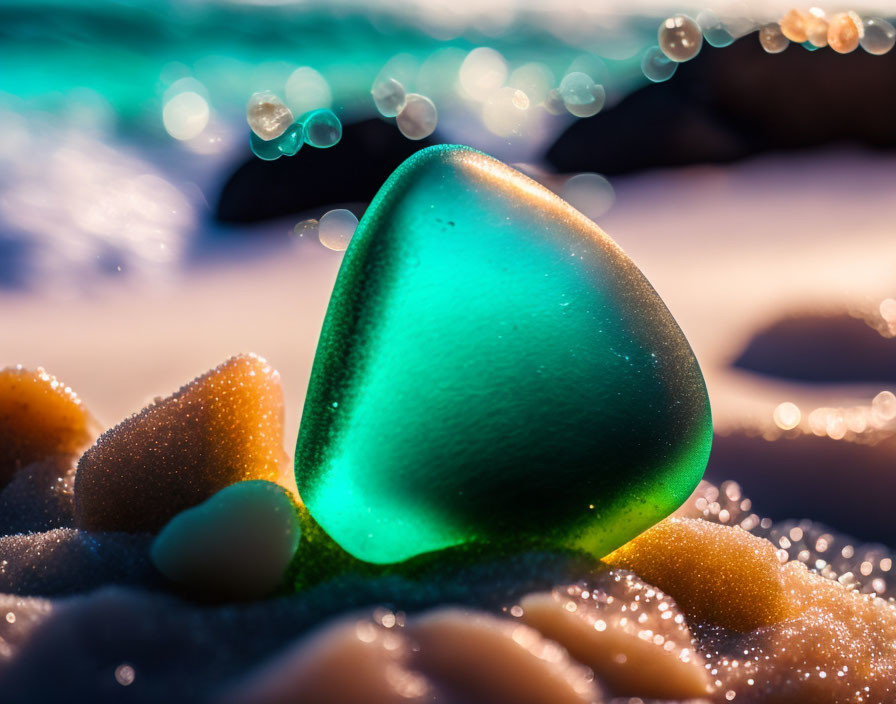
(844, 32)
(715, 573)
(793, 26)
(39, 417)
(631, 635)
(221, 428)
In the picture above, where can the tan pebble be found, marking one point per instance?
(844, 32)
(484, 659)
(618, 648)
(351, 661)
(224, 427)
(772, 39)
(817, 31)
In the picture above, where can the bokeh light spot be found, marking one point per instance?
(787, 415)
(185, 115)
(307, 90)
(590, 194)
(483, 71)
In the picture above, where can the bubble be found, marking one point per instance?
(185, 115)
(322, 128)
(787, 415)
(292, 140)
(772, 39)
(581, 95)
(336, 228)
(656, 66)
(388, 96)
(483, 71)
(287, 144)
(124, 675)
(844, 32)
(879, 37)
(305, 228)
(505, 112)
(265, 150)
(884, 406)
(680, 38)
(307, 90)
(419, 117)
(817, 29)
(591, 194)
(267, 116)
(714, 31)
(794, 25)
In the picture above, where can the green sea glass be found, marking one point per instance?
(494, 370)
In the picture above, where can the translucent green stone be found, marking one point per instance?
(494, 370)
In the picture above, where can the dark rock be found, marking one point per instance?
(821, 349)
(850, 486)
(350, 172)
(735, 102)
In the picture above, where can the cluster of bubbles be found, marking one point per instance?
(843, 32)
(276, 133)
(415, 114)
(856, 423)
(681, 37)
(335, 229)
(508, 102)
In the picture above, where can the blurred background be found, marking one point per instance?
(142, 241)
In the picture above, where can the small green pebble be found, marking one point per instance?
(237, 544)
